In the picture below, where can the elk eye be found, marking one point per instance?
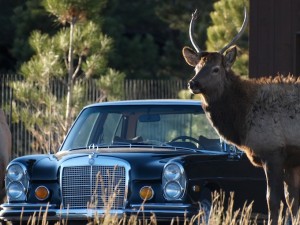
(216, 70)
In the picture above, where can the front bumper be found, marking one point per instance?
(162, 212)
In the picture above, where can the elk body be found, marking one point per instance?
(5, 151)
(259, 116)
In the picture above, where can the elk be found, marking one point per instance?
(259, 116)
(5, 150)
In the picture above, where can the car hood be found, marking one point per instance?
(143, 161)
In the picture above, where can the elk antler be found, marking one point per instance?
(191, 31)
(239, 34)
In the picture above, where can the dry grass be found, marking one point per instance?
(221, 213)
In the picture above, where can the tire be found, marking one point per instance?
(206, 203)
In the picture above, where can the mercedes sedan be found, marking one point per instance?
(140, 157)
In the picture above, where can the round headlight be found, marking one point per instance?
(15, 190)
(173, 190)
(15, 172)
(172, 172)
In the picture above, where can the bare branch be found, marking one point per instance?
(77, 68)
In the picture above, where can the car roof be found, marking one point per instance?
(148, 102)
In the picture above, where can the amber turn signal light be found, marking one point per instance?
(196, 188)
(146, 193)
(42, 193)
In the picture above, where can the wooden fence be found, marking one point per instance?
(133, 89)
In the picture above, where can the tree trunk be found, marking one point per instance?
(70, 78)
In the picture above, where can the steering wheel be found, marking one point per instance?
(183, 138)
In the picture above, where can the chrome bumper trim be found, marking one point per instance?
(162, 206)
(12, 212)
(27, 205)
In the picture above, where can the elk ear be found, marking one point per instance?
(230, 57)
(190, 56)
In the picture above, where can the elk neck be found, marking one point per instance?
(228, 110)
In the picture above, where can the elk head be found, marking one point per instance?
(210, 67)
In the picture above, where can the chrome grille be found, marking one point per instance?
(93, 186)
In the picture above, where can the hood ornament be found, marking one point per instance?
(92, 157)
(93, 146)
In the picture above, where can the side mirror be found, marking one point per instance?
(233, 152)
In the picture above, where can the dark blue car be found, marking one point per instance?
(129, 157)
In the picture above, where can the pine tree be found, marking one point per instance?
(76, 52)
(177, 15)
(227, 19)
(137, 33)
(7, 59)
(27, 17)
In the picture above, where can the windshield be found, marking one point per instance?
(175, 125)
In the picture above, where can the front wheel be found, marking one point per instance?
(206, 204)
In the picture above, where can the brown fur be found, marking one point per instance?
(5, 151)
(259, 116)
